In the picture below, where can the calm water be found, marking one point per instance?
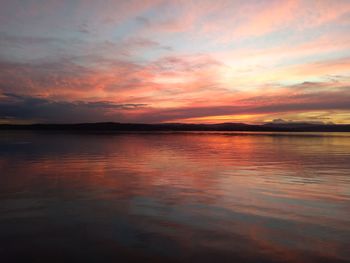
(190, 197)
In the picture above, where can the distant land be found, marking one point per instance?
(125, 127)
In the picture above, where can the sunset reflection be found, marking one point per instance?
(231, 193)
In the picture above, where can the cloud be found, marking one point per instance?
(36, 109)
(20, 41)
(84, 28)
(184, 59)
(135, 44)
(173, 87)
(288, 101)
(84, 77)
(293, 122)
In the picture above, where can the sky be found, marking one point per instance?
(152, 61)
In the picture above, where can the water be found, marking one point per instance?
(183, 197)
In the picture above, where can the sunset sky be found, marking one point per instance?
(204, 61)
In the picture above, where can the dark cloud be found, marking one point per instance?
(309, 120)
(279, 121)
(84, 28)
(41, 109)
(110, 105)
(143, 20)
(19, 41)
(14, 106)
(334, 101)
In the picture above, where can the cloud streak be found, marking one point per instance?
(36, 109)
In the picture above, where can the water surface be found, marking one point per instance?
(174, 197)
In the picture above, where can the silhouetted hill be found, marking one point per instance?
(123, 127)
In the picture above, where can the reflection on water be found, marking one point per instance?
(188, 197)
